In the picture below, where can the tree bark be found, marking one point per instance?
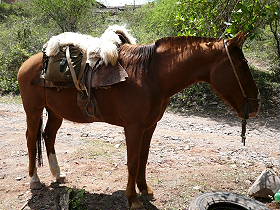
(274, 27)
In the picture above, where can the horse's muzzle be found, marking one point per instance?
(254, 106)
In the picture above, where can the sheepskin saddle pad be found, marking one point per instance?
(79, 59)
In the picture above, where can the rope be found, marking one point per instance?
(235, 72)
(243, 122)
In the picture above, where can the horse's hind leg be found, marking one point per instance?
(53, 124)
(33, 134)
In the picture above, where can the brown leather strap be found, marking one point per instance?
(91, 100)
(234, 70)
(49, 84)
(83, 66)
(73, 73)
(82, 73)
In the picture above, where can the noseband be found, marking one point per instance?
(246, 98)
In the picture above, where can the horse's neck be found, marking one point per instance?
(182, 65)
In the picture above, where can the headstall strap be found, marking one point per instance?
(246, 106)
(234, 71)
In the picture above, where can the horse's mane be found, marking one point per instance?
(189, 39)
(137, 55)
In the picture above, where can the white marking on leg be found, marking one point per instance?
(55, 170)
(35, 177)
(35, 181)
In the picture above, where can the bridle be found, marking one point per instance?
(246, 98)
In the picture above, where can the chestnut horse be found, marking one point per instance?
(155, 73)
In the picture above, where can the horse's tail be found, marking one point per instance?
(39, 143)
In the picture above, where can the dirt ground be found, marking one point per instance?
(189, 155)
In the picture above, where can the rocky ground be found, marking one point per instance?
(189, 155)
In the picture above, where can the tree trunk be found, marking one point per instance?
(274, 27)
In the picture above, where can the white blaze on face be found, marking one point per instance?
(55, 170)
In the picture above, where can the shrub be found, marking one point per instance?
(20, 38)
(77, 199)
(66, 14)
(7, 10)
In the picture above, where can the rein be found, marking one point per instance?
(247, 99)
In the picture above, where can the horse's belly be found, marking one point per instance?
(64, 103)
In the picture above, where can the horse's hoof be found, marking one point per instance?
(36, 185)
(147, 196)
(61, 179)
(148, 193)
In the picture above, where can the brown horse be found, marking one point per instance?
(156, 72)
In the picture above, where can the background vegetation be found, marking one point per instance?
(25, 26)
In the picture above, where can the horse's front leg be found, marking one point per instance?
(53, 124)
(134, 137)
(142, 185)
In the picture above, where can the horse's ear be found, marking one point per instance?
(238, 40)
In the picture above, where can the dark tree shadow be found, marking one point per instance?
(200, 100)
(49, 198)
(225, 115)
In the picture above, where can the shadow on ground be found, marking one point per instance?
(200, 100)
(50, 198)
(224, 114)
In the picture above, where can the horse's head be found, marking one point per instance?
(233, 80)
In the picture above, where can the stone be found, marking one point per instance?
(18, 178)
(197, 187)
(188, 147)
(266, 185)
(248, 182)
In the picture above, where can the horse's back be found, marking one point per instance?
(31, 68)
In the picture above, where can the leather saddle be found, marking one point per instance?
(69, 69)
